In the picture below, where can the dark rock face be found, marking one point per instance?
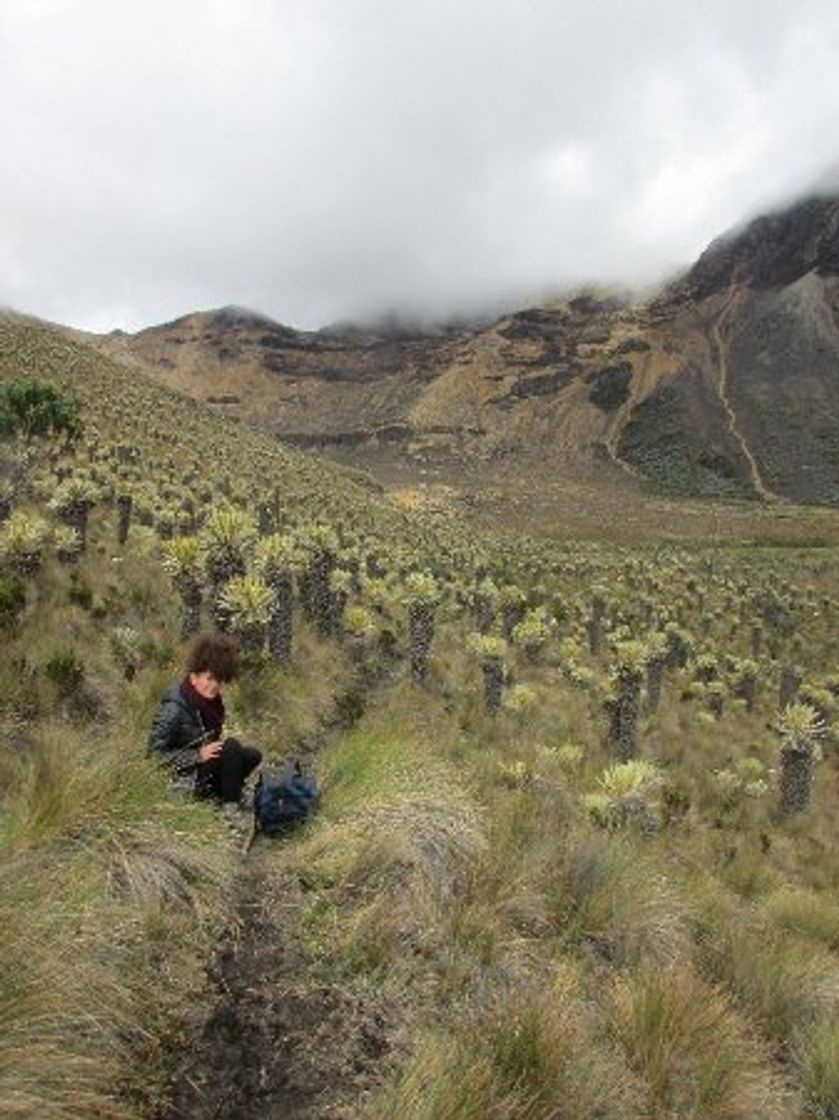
(279, 338)
(610, 386)
(538, 385)
(770, 252)
(633, 346)
(534, 323)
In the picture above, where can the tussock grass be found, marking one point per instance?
(782, 981)
(692, 1049)
(64, 782)
(615, 894)
(395, 839)
(66, 1017)
(816, 1057)
(448, 1079)
(111, 890)
(85, 894)
(748, 873)
(806, 913)
(535, 1056)
(283, 710)
(149, 867)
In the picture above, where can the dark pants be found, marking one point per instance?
(223, 777)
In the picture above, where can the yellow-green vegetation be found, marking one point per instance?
(555, 831)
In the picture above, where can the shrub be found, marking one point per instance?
(33, 408)
(80, 592)
(22, 542)
(65, 670)
(627, 796)
(12, 599)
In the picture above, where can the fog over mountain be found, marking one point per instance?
(323, 160)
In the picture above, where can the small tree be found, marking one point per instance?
(321, 543)
(656, 660)
(68, 544)
(340, 583)
(248, 602)
(513, 605)
(790, 682)
(594, 623)
(72, 501)
(679, 646)
(623, 705)
(484, 602)
(22, 543)
(6, 498)
(627, 797)
(360, 628)
(125, 504)
(491, 651)
(31, 408)
(800, 730)
(715, 698)
(532, 633)
(227, 538)
(421, 597)
(183, 558)
(127, 647)
(277, 559)
(745, 685)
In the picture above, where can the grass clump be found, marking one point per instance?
(94, 857)
(395, 837)
(611, 894)
(691, 1048)
(781, 980)
(805, 912)
(816, 1058)
(534, 1056)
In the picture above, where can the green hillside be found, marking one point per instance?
(576, 850)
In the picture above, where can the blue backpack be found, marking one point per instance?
(283, 800)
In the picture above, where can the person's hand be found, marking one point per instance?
(210, 750)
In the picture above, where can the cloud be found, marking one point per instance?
(326, 159)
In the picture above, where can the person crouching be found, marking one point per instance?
(187, 733)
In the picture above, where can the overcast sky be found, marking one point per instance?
(328, 159)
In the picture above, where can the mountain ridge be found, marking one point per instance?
(724, 383)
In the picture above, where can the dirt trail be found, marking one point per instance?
(277, 1045)
(720, 349)
(280, 1043)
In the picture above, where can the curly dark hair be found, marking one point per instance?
(214, 653)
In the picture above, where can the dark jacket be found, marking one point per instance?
(177, 733)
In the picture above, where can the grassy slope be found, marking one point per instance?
(542, 965)
(561, 970)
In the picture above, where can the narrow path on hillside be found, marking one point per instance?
(720, 349)
(278, 1043)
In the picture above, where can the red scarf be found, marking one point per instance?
(211, 712)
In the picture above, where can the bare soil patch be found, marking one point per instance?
(279, 1043)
